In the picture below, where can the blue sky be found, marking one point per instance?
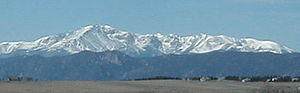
(276, 20)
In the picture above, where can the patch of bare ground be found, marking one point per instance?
(150, 86)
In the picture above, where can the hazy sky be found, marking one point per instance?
(276, 20)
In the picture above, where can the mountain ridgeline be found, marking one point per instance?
(101, 52)
(101, 38)
(115, 65)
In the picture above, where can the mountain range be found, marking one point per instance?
(101, 52)
(100, 38)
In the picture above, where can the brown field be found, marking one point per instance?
(152, 86)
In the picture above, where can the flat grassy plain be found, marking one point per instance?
(150, 86)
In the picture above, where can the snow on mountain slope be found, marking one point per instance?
(100, 38)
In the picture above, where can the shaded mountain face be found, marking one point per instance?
(224, 64)
(117, 66)
(100, 38)
(81, 66)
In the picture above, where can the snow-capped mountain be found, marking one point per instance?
(100, 38)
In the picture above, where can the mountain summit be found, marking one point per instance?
(100, 38)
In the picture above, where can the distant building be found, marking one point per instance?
(246, 80)
(203, 79)
(221, 78)
(14, 79)
(274, 79)
(295, 79)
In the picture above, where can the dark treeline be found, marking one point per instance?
(232, 78)
(206, 78)
(17, 78)
(160, 78)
